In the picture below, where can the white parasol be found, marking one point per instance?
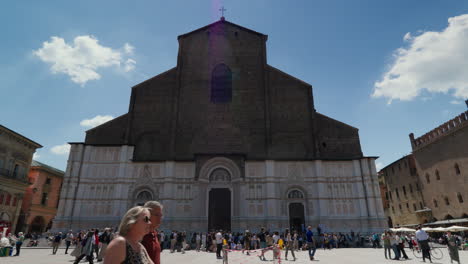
(456, 228)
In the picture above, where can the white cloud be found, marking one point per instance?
(96, 121)
(455, 102)
(128, 48)
(36, 156)
(407, 36)
(129, 65)
(433, 61)
(61, 149)
(80, 59)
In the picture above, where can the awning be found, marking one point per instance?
(448, 222)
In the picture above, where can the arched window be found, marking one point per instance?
(447, 217)
(437, 175)
(221, 84)
(460, 198)
(295, 194)
(446, 199)
(427, 178)
(220, 175)
(143, 197)
(457, 169)
(435, 203)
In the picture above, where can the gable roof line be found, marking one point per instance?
(337, 121)
(289, 75)
(223, 21)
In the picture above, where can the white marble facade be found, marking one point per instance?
(102, 183)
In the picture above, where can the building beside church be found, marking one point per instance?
(402, 196)
(41, 198)
(16, 152)
(429, 186)
(225, 141)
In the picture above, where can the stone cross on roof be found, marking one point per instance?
(222, 9)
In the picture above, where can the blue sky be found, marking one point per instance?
(388, 68)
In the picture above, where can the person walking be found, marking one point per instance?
(150, 240)
(173, 238)
(87, 248)
(126, 248)
(197, 242)
(423, 241)
(289, 244)
(104, 240)
(387, 245)
(310, 243)
(203, 242)
(68, 240)
(19, 243)
(56, 242)
(261, 236)
(452, 248)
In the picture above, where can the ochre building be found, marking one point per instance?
(430, 185)
(16, 152)
(41, 198)
(225, 141)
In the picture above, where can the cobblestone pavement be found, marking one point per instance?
(348, 256)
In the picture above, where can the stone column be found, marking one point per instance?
(19, 199)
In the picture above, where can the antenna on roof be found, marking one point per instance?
(222, 9)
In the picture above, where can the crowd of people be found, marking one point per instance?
(136, 240)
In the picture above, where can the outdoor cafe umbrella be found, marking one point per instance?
(456, 228)
(402, 229)
(438, 229)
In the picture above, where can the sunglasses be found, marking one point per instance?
(146, 219)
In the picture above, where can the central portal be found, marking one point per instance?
(296, 217)
(219, 209)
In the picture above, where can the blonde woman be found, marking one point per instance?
(126, 248)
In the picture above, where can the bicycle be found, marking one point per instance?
(436, 253)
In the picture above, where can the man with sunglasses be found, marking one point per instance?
(150, 241)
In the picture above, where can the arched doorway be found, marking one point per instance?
(219, 209)
(142, 197)
(296, 217)
(390, 222)
(37, 225)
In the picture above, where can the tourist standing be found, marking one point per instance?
(150, 240)
(56, 242)
(452, 248)
(126, 248)
(246, 242)
(289, 244)
(310, 243)
(68, 240)
(96, 242)
(387, 245)
(173, 238)
(19, 243)
(394, 244)
(219, 244)
(401, 245)
(423, 241)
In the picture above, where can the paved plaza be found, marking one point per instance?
(346, 255)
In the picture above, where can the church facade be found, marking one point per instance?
(224, 141)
